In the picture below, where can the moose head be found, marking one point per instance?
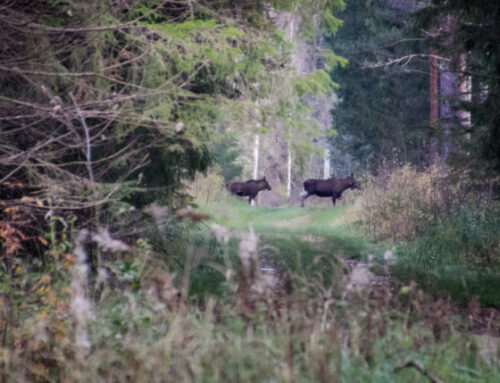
(351, 182)
(263, 184)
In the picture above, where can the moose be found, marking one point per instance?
(249, 188)
(331, 187)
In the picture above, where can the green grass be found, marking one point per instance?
(457, 258)
(323, 225)
(237, 214)
(455, 281)
(306, 241)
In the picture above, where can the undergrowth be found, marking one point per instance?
(293, 326)
(459, 256)
(399, 204)
(445, 235)
(251, 295)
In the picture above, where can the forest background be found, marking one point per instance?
(117, 115)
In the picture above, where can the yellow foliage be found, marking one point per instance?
(67, 261)
(39, 370)
(42, 316)
(59, 330)
(42, 290)
(208, 188)
(52, 298)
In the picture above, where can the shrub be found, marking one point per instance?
(208, 187)
(398, 205)
(148, 333)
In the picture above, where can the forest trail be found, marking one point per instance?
(309, 233)
(314, 235)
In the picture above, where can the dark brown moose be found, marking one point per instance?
(332, 187)
(249, 188)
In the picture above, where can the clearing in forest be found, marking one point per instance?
(306, 240)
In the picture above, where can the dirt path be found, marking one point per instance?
(294, 223)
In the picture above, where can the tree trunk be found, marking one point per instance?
(465, 91)
(446, 91)
(434, 106)
(256, 159)
(326, 164)
(289, 174)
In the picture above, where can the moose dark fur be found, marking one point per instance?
(332, 187)
(249, 188)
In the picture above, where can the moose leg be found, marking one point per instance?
(334, 198)
(251, 198)
(303, 197)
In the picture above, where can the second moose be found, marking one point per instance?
(332, 187)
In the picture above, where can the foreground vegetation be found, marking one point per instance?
(458, 257)
(220, 315)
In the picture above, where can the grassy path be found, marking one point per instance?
(328, 228)
(374, 333)
(310, 241)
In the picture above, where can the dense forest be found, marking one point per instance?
(127, 130)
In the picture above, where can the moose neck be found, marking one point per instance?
(261, 185)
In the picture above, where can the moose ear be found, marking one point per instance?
(352, 174)
(264, 178)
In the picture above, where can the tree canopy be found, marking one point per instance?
(382, 109)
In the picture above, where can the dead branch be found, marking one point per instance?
(404, 60)
(420, 369)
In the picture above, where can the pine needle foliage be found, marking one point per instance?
(117, 102)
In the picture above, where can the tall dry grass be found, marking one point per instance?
(399, 204)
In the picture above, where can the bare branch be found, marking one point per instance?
(420, 369)
(404, 60)
(87, 139)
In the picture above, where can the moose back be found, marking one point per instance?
(331, 187)
(249, 188)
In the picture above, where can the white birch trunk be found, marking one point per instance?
(292, 26)
(256, 159)
(289, 174)
(291, 31)
(326, 164)
(465, 90)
